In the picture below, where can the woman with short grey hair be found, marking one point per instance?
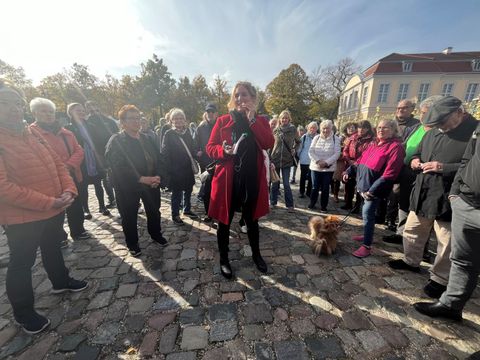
(66, 146)
(324, 153)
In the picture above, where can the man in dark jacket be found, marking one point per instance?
(106, 127)
(203, 135)
(437, 160)
(465, 201)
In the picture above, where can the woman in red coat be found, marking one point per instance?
(239, 182)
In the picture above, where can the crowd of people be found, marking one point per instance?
(416, 175)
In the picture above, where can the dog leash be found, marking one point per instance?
(345, 218)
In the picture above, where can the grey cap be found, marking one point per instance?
(211, 107)
(440, 109)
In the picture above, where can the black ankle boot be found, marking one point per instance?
(260, 263)
(226, 269)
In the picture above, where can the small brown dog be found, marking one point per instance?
(323, 234)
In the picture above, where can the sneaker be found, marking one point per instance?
(393, 239)
(358, 238)
(83, 236)
(311, 207)
(190, 214)
(290, 209)
(72, 286)
(87, 215)
(161, 240)
(104, 211)
(33, 324)
(399, 264)
(323, 209)
(362, 252)
(207, 219)
(135, 252)
(243, 229)
(434, 289)
(292, 181)
(177, 220)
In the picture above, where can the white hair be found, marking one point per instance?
(313, 123)
(430, 100)
(38, 102)
(177, 111)
(326, 123)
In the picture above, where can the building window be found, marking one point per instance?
(476, 65)
(471, 91)
(406, 66)
(355, 98)
(383, 93)
(364, 96)
(402, 92)
(423, 91)
(447, 89)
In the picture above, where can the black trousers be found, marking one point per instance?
(127, 204)
(350, 191)
(253, 233)
(23, 242)
(305, 177)
(75, 217)
(83, 191)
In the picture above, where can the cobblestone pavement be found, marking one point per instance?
(173, 303)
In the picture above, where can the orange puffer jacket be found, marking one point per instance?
(31, 177)
(66, 146)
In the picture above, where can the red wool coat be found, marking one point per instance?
(222, 182)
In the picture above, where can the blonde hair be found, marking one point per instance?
(285, 112)
(251, 90)
(177, 111)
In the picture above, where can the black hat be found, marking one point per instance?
(440, 109)
(211, 107)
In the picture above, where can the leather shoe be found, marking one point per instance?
(260, 263)
(437, 309)
(226, 269)
(393, 239)
(434, 289)
(402, 265)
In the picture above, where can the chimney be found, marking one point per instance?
(447, 51)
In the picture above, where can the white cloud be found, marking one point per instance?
(46, 36)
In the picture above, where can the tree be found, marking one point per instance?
(220, 94)
(57, 88)
(329, 82)
(290, 90)
(155, 85)
(14, 74)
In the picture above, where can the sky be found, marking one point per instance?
(236, 40)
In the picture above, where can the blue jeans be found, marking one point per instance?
(176, 200)
(368, 215)
(321, 182)
(285, 174)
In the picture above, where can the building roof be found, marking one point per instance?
(425, 63)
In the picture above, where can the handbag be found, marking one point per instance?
(274, 178)
(194, 163)
(208, 172)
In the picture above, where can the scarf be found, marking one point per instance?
(89, 150)
(245, 187)
(54, 127)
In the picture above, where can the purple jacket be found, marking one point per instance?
(379, 167)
